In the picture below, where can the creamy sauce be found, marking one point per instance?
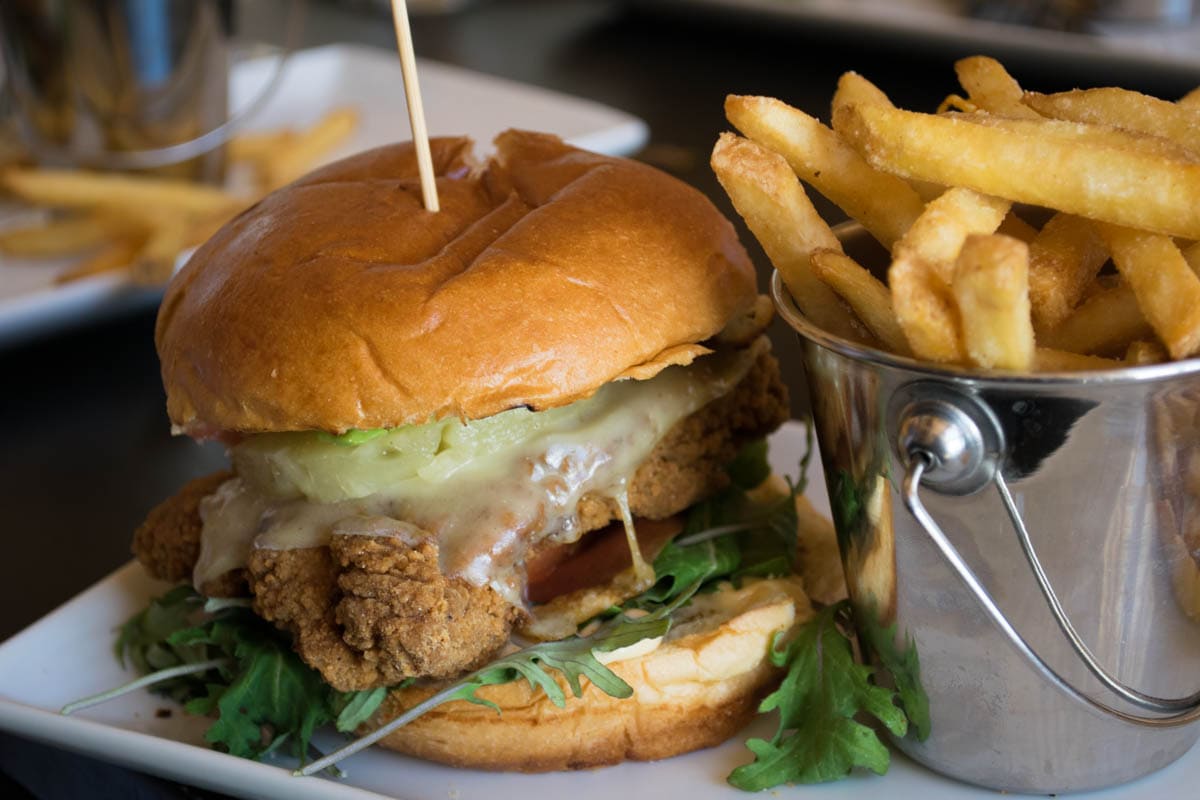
(497, 503)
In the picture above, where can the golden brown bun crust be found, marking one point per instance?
(695, 690)
(338, 302)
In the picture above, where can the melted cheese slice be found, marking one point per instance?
(486, 490)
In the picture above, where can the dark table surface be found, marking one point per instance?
(87, 450)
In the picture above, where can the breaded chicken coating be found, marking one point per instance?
(168, 542)
(371, 611)
(688, 463)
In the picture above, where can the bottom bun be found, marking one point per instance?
(697, 688)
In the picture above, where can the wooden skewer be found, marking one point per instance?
(416, 111)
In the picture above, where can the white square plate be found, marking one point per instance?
(68, 655)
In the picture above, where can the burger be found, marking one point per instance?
(455, 435)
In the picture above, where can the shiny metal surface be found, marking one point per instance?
(94, 82)
(126, 85)
(1103, 469)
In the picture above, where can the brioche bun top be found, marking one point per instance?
(338, 302)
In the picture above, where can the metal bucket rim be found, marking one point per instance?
(786, 306)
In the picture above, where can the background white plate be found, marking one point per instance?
(457, 101)
(68, 655)
(942, 23)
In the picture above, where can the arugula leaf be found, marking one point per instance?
(769, 548)
(680, 566)
(824, 689)
(904, 665)
(849, 503)
(729, 535)
(750, 467)
(140, 638)
(355, 708)
(263, 695)
(272, 690)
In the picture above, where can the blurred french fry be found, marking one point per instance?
(256, 145)
(990, 88)
(956, 102)
(1064, 257)
(60, 237)
(1191, 254)
(1191, 99)
(885, 205)
(1145, 351)
(1104, 324)
(1124, 109)
(118, 255)
(1041, 162)
(1046, 359)
(923, 268)
(991, 288)
(866, 294)
(297, 155)
(134, 197)
(1017, 228)
(768, 196)
(1167, 289)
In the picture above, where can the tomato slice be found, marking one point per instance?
(595, 559)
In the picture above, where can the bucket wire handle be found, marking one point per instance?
(943, 443)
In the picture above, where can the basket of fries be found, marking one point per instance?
(1002, 361)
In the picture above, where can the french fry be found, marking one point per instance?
(60, 237)
(1191, 254)
(937, 236)
(1104, 324)
(1042, 162)
(1089, 135)
(1191, 99)
(884, 205)
(257, 145)
(1046, 359)
(768, 196)
(115, 256)
(1063, 259)
(854, 89)
(990, 88)
(297, 155)
(923, 268)
(123, 195)
(925, 309)
(1124, 109)
(1145, 351)
(991, 288)
(1167, 289)
(1017, 228)
(155, 262)
(870, 299)
(956, 102)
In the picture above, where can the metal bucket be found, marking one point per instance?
(1022, 556)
